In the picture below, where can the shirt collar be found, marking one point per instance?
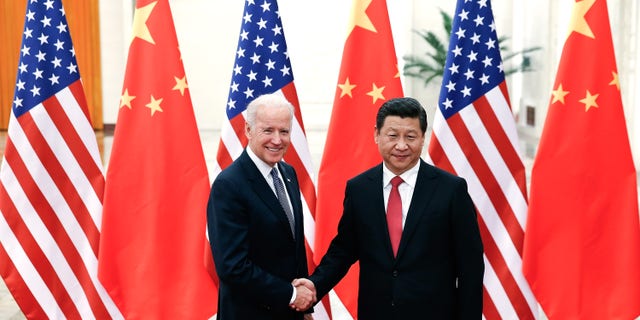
(410, 176)
(263, 167)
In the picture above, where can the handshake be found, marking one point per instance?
(305, 295)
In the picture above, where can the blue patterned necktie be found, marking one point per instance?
(282, 198)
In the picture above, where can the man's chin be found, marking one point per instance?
(275, 159)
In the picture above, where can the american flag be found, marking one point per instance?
(474, 136)
(51, 180)
(262, 66)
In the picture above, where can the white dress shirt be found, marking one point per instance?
(405, 189)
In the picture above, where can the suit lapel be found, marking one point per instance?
(376, 210)
(263, 190)
(423, 192)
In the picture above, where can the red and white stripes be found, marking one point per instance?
(480, 143)
(51, 186)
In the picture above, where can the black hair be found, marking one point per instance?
(404, 108)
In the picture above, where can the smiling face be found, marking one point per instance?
(269, 136)
(400, 141)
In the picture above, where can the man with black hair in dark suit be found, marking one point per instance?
(412, 227)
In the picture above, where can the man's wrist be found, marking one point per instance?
(293, 295)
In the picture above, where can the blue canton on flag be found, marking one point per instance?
(473, 64)
(262, 61)
(47, 58)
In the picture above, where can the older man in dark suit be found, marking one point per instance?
(255, 223)
(411, 226)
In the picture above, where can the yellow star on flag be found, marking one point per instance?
(376, 93)
(125, 99)
(346, 88)
(181, 84)
(359, 17)
(578, 22)
(590, 101)
(615, 81)
(140, 29)
(154, 105)
(558, 94)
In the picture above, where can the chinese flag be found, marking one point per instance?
(157, 186)
(368, 77)
(582, 240)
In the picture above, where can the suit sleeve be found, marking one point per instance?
(228, 222)
(342, 252)
(469, 254)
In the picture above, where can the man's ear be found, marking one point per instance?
(376, 134)
(247, 130)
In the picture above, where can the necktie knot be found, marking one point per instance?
(396, 181)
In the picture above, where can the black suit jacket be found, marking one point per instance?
(255, 254)
(438, 271)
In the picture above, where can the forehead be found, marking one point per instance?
(398, 123)
(273, 113)
(273, 117)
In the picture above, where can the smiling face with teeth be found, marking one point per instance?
(268, 127)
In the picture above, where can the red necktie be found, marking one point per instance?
(394, 214)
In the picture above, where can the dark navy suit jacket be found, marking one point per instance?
(438, 271)
(255, 254)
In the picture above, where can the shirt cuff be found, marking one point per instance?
(293, 296)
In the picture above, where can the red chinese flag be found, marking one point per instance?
(582, 239)
(157, 185)
(368, 77)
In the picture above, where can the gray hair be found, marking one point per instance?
(270, 100)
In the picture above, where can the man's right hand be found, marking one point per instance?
(305, 294)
